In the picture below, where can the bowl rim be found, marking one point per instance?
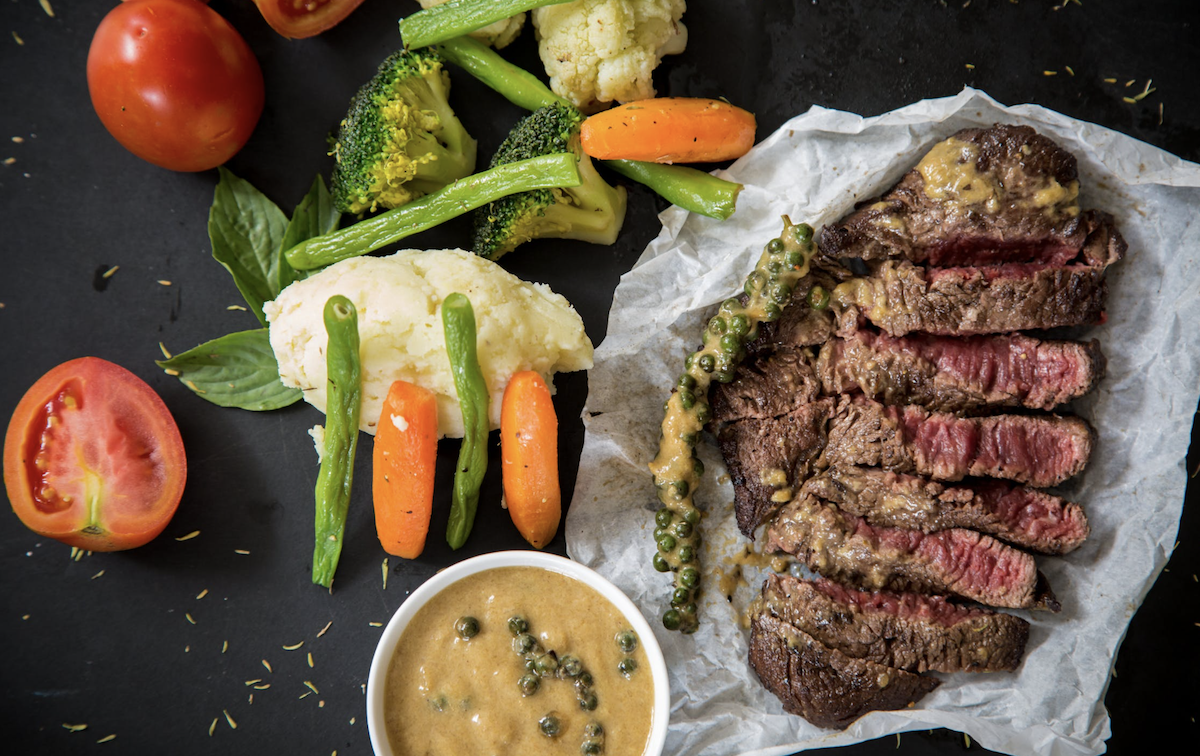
(439, 581)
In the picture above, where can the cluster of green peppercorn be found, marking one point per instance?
(677, 469)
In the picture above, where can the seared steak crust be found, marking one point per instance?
(909, 631)
(822, 685)
(962, 562)
(768, 385)
(766, 456)
(1022, 516)
(981, 197)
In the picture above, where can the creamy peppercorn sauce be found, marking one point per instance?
(447, 696)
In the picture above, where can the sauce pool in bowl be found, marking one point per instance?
(517, 652)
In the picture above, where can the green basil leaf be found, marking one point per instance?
(314, 216)
(238, 370)
(246, 230)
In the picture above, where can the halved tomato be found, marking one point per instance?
(93, 458)
(298, 19)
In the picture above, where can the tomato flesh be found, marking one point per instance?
(93, 458)
(299, 19)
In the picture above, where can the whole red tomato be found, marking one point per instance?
(174, 83)
(93, 458)
(300, 20)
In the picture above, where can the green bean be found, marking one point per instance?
(458, 17)
(464, 195)
(688, 188)
(343, 399)
(458, 321)
(522, 88)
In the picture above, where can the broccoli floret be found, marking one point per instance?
(400, 139)
(591, 212)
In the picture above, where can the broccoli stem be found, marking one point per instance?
(517, 85)
(693, 190)
(464, 195)
(688, 188)
(459, 17)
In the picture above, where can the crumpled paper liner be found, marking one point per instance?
(814, 168)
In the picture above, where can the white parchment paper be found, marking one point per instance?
(815, 168)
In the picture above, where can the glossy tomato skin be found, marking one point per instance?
(93, 458)
(174, 82)
(301, 20)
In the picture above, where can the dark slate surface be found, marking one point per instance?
(116, 651)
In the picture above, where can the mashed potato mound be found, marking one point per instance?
(520, 326)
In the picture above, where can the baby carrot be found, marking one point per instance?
(669, 130)
(529, 456)
(405, 457)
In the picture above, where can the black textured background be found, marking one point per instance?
(116, 651)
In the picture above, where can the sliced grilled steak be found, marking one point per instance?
(959, 374)
(982, 197)
(900, 298)
(909, 631)
(1022, 516)
(958, 561)
(822, 685)
(771, 384)
(767, 456)
(1038, 451)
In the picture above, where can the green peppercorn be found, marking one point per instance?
(627, 667)
(467, 627)
(775, 246)
(660, 532)
(524, 643)
(591, 748)
(803, 233)
(687, 382)
(707, 362)
(818, 298)
(683, 529)
(438, 703)
(660, 563)
(692, 516)
(663, 517)
(731, 343)
(780, 293)
(671, 619)
(723, 377)
(739, 325)
(666, 544)
(583, 681)
(703, 415)
(731, 305)
(686, 554)
(716, 326)
(689, 577)
(793, 259)
(681, 488)
(517, 625)
(593, 730)
(570, 666)
(754, 282)
(546, 664)
(627, 641)
(687, 399)
(529, 684)
(772, 311)
(680, 596)
(549, 725)
(588, 701)
(697, 465)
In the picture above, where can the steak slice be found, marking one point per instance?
(982, 197)
(909, 631)
(766, 457)
(767, 385)
(967, 374)
(1021, 516)
(822, 685)
(900, 298)
(962, 562)
(1039, 450)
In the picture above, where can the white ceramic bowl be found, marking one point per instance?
(430, 588)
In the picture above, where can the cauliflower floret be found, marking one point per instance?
(498, 35)
(598, 51)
